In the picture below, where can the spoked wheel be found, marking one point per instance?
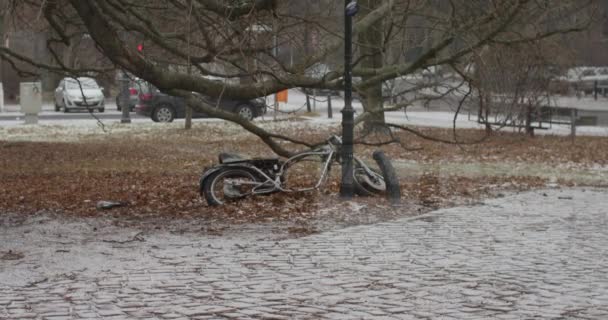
(163, 113)
(228, 185)
(368, 184)
(246, 112)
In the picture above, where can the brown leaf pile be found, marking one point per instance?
(157, 175)
(498, 147)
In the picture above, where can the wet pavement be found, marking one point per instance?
(536, 255)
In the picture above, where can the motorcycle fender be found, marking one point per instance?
(215, 169)
(206, 174)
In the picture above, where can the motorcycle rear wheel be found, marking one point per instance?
(228, 185)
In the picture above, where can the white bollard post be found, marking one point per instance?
(30, 99)
(573, 116)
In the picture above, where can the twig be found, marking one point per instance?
(137, 237)
(34, 283)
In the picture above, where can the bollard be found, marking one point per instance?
(330, 113)
(30, 99)
(595, 89)
(573, 114)
(308, 103)
(1, 97)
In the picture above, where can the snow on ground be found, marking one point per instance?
(54, 123)
(584, 103)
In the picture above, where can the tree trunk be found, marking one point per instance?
(481, 116)
(529, 128)
(372, 102)
(2, 43)
(371, 48)
(188, 125)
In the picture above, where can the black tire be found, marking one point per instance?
(163, 113)
(65, 107)
(246, 111)
(393, 188)
(118, 104)
(101, 110)
(57, 107)
(366, 185)
(216, 197)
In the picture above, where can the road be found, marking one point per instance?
(536, 255)
(74, 116)
(13, 113)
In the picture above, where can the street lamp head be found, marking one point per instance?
(352, 8)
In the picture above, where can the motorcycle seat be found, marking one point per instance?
(226, 157)
(261, 163)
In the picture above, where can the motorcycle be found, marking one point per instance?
(235, 177)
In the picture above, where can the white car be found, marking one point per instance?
(79, 94)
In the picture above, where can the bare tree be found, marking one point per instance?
(236, 40)
(516, 98)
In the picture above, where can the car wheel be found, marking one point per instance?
(65, 107)
(163, 113)
(246, 112)
(101, 109)
(57, 107)
(118, 104)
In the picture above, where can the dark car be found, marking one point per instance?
(162, 107)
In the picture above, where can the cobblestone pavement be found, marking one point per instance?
(534, 255)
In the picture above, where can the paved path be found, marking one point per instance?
(539, 255)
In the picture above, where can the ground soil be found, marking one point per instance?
(156, 175)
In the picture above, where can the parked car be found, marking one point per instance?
(79, 94)
(138, 88)
(162, 107)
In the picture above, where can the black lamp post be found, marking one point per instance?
(346, 188)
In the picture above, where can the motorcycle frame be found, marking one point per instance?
(327, 151)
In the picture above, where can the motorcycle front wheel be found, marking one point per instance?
(228, 185)
(368, 184)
